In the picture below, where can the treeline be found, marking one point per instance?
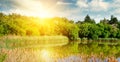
(106, 28)
(16, 24)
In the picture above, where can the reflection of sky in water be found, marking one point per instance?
(79, 59)
(118, 59)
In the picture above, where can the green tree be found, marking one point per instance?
(73, 32)
(113, 20)
(113, 32)
(89, 31)
(88, 19)
(83, 30)
(104, 21)
(104, 30)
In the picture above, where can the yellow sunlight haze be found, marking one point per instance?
(45, 14)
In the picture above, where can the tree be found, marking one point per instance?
(3, 24)
(83, 30)
(104, 21)
(104, 30)
(118, 25)
(89, 20)
(118, 34)
(113, 32)
(89, 31)
(113, 20)
(73, 32)
(15, 24)
(94, 32)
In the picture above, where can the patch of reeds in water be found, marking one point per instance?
(31, 41)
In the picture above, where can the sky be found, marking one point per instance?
(71, 9)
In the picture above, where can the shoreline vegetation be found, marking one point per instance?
(32, 41)
(111, 41)
(48, 41)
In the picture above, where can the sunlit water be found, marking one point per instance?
(72, 52)
(79, 59)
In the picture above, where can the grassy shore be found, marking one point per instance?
(32, 41)
(109, 41)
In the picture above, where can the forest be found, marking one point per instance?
(20, 25)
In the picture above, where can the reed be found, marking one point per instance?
(31, 41)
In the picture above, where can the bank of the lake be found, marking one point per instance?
(32, 41)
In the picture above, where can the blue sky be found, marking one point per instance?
(72, 9)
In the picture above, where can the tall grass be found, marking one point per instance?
(109, 41)
(31, 41)
(2, 57)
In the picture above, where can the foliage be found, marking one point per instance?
(19, 25)
(2, 57)
(88, 19)
(88, 30)
(15, 24)
(113, 20)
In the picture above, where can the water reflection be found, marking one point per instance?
(89, 53)
(72, 52)
(92, 59)
(118, 59)
(75, 52)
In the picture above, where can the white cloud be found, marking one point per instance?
(32, 8)
(94, 5)
(98, 5)
(115, 6)
(82, 3)
(64, 9)
(31, 5)
(116, 1)
(116, 11)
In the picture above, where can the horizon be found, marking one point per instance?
(72, 9)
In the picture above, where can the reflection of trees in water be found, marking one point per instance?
(72, 52)
(86, 59)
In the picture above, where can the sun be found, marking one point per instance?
(45, 14)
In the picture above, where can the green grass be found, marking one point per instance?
(2, 57)
(108, 41)
(32, 41)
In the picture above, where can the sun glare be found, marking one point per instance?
(45, 14)
(45, 53)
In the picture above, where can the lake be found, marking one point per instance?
(71, 52)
